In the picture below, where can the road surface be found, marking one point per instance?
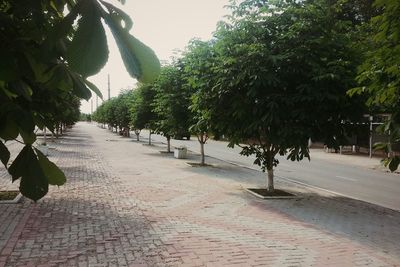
(347, 179)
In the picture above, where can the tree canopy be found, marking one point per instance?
(379, 75)
(47, 50)
(141, 109)
(199, 60)
(172, 101)
(282, 76)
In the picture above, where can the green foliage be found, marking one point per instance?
(35, 174)
(172, 101)
(85, 117)
(88, 51)
(141, 110)
(379, 75)
(140, 61)
(4, 154)
(115, 112)
(53, 174)
(45, 59)
(199, 61)
(276, 75)
(105, 113)
(122, 107)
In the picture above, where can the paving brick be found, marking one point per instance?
(128, 205)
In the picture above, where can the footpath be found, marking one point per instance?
(127, 204)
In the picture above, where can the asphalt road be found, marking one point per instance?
(353, 181)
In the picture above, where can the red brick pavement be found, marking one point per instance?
(128, 205)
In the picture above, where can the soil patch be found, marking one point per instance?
(264, 193)
(197, 164)
(8, 195)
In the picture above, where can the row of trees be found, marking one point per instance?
(276, 74)
(161, 107)
(47, 50)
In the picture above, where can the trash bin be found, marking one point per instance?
(180, 152)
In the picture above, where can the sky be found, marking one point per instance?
(164, 25)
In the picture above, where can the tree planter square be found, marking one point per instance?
(197, 164)
(265, 194)
(10, 197)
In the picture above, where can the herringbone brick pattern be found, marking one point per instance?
(128, 205)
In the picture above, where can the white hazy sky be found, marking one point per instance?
(164, 25)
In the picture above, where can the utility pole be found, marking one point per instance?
(97, 102)
(108, 76)
(91, 106)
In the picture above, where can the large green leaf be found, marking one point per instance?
(28, 137)
(19, 165)
(34, 184)
(63, 27)
(60, 77)
(79, 87)
(8, 129)
(53, 174)
(20, 88)
(24, 120)
(139, 60)
(94, 89)
(8, 66)
(148, 61)
(119, 14)
(88, 51)
(4, 154)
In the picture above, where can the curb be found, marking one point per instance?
(16, 200)
(271, 197)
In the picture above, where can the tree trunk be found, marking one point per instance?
(57, 130)
(149, 138)
(44, 135)
(270, 181)
(202, 153)
(202, 138)
(169, 144)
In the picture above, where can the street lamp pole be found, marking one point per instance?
(109, 88)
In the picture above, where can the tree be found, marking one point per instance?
(45, 59)
(115, 113)
(122, 112)
(379, 75)
(99, 115)
(171, 103)
(282, 74)
(199, 61)
(141, 110)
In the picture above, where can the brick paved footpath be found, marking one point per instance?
(126, 204)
